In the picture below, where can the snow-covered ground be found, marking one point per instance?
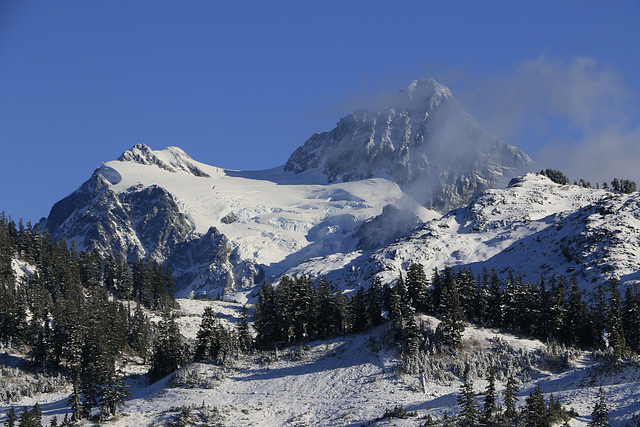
(535, 227)
(347, 381)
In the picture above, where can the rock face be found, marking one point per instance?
(146, 221)
(174, 159)
(424, 141)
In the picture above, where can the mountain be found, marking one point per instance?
(534, 226)
(424, 141)
(218, 230)
(221, 230)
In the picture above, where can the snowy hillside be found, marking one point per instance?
(352, 380)
(535, 227)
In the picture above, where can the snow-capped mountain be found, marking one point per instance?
(220, 229)
(424, 141)
(534, 226)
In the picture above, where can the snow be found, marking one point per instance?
(534, 227)
(277, 222)
(347, 381)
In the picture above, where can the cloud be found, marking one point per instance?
(576, 116)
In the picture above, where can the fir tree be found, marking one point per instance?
(37, 415)
(466, 400)
(139, 333)
(489, 407)
(600, 414)
(417, 286)
(510, 394)
(11, 418)
(615, 324)
(535, 412)
(245, 340)
(168, 351)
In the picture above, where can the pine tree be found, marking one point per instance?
(510, 398)
(489, 398)
(631, 317)
(615, 323)
(26, 419)
(576, 320)
(245, 340)
(113, 395)
(600, 414)
(36, 415)
(11, 418)
(535, 412)
(267, 321)
(168, 351)
(466, 400)
(599, 316)
(494, 300)
(139, 333)
(417, 286)
(213, 342)
(396, 309)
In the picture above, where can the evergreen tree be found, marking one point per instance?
(413, 336)
(489, 407)
(139, 333)
(213, 343)
(396, 316)
(599, 315)
(576, 321)
(510, 394)
(267, 318)
(535, 412)
(600, 414)
(168, 351)
(245, 340)
(37, 415)
(11, 418)
(631, 317)
(466, 400)
(375, 303)
(615, 323)
(417, 286)
(494, 300)
(114, 392)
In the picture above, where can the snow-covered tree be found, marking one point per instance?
(600, 414)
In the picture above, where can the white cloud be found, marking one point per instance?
(576, 116)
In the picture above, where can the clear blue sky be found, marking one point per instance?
(241, 84)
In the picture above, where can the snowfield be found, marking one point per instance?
(347, 381)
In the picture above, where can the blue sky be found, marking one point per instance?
(241, 84)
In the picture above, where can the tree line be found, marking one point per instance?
(625, 186)
(553, 309)
(68, 310)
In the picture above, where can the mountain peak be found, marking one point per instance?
(172, 159)
(424, 141)
(420, 94)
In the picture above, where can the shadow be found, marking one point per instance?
(13, 361)
(278, 176)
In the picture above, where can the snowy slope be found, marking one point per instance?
(535, 227)
(352, 380)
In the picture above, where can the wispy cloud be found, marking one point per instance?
(576, 116)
